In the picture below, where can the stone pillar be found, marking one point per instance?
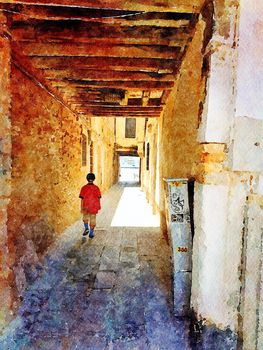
(220, 195)
(220, 59)
(5, 171)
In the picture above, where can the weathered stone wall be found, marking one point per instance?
(6, 275)
(178, 145)
(47, 170)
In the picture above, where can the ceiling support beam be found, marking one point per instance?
(75, 49)
(193, 6)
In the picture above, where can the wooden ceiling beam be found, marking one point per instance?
(86, 75)
(119, 109)
(94, 103)
(193, 6)
(76, 31)
(103, 104)
(76, 50)
(123, 18)
(124, 114)
(117, 116)
(107, 63)
(133, 85)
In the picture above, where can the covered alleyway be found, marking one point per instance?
(176, 87)
(112, 292)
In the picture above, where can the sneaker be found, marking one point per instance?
(86, 232)
(91, 234)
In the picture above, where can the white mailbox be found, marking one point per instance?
(179, 223)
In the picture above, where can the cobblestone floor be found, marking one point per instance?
(112, 292)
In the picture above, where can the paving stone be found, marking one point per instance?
(114, 239)
(105, 279)
(137, 344)
(130, 258)
(110, 259)
(129, 240)
(109, 293)
(89, 342)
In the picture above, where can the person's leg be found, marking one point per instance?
(86, 224)
(92, 225)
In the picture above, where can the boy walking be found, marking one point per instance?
(90, 204)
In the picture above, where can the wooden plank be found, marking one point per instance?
(124, 115)
(102, 104)
(126, 18)
(116, 116)
(120, 109)
(193, 6)
(86, 75)
(76, 31)
(75, 49)
(107, 63)
(134, 85)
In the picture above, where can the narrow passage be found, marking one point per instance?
(112, 292)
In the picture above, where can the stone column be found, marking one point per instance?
(220, 62)
(219, 195)
(5, 171)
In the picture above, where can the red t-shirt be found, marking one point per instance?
(90, 194)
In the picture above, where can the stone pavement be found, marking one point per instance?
(112, 292)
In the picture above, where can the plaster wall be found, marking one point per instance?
(247, 146)
(227, 270)
(252, 288)
(218, 109)
(219, 212)
(250, 60)
(122, 141)
(221, 55)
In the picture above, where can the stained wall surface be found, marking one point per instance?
(47, 171)
(178, 144)
(6, 274)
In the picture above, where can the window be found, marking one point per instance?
(147, 156)
(84, 150)
(130, 128)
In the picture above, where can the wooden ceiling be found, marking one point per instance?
(114, 58)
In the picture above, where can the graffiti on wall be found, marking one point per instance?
(179, 208)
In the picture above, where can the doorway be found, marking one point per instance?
(129, 169)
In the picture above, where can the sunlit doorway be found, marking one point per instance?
(129, 169)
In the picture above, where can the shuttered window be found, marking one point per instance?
(130, 128)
